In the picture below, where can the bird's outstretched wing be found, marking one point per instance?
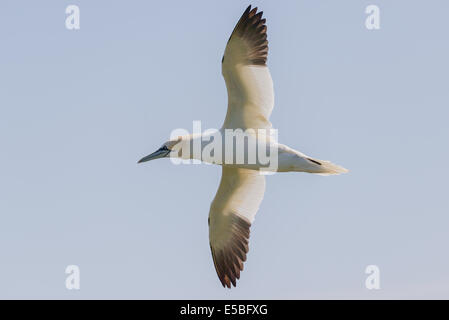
(248, 80)
(231, 213)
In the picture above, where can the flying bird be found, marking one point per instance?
(242, 186)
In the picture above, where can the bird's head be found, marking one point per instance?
(163, 151)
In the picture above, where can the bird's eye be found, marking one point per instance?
(164, 148)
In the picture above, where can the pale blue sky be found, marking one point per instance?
(79, 108)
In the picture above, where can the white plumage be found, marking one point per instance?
(242, 186)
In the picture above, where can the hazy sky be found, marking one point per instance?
(78, 108)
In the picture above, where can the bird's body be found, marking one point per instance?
(242, 186)
(288, 159)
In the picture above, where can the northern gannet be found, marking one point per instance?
(242, 186)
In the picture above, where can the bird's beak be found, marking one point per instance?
(161, 153)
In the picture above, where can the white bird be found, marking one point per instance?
(242, 186)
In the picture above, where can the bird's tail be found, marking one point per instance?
(325, 168)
